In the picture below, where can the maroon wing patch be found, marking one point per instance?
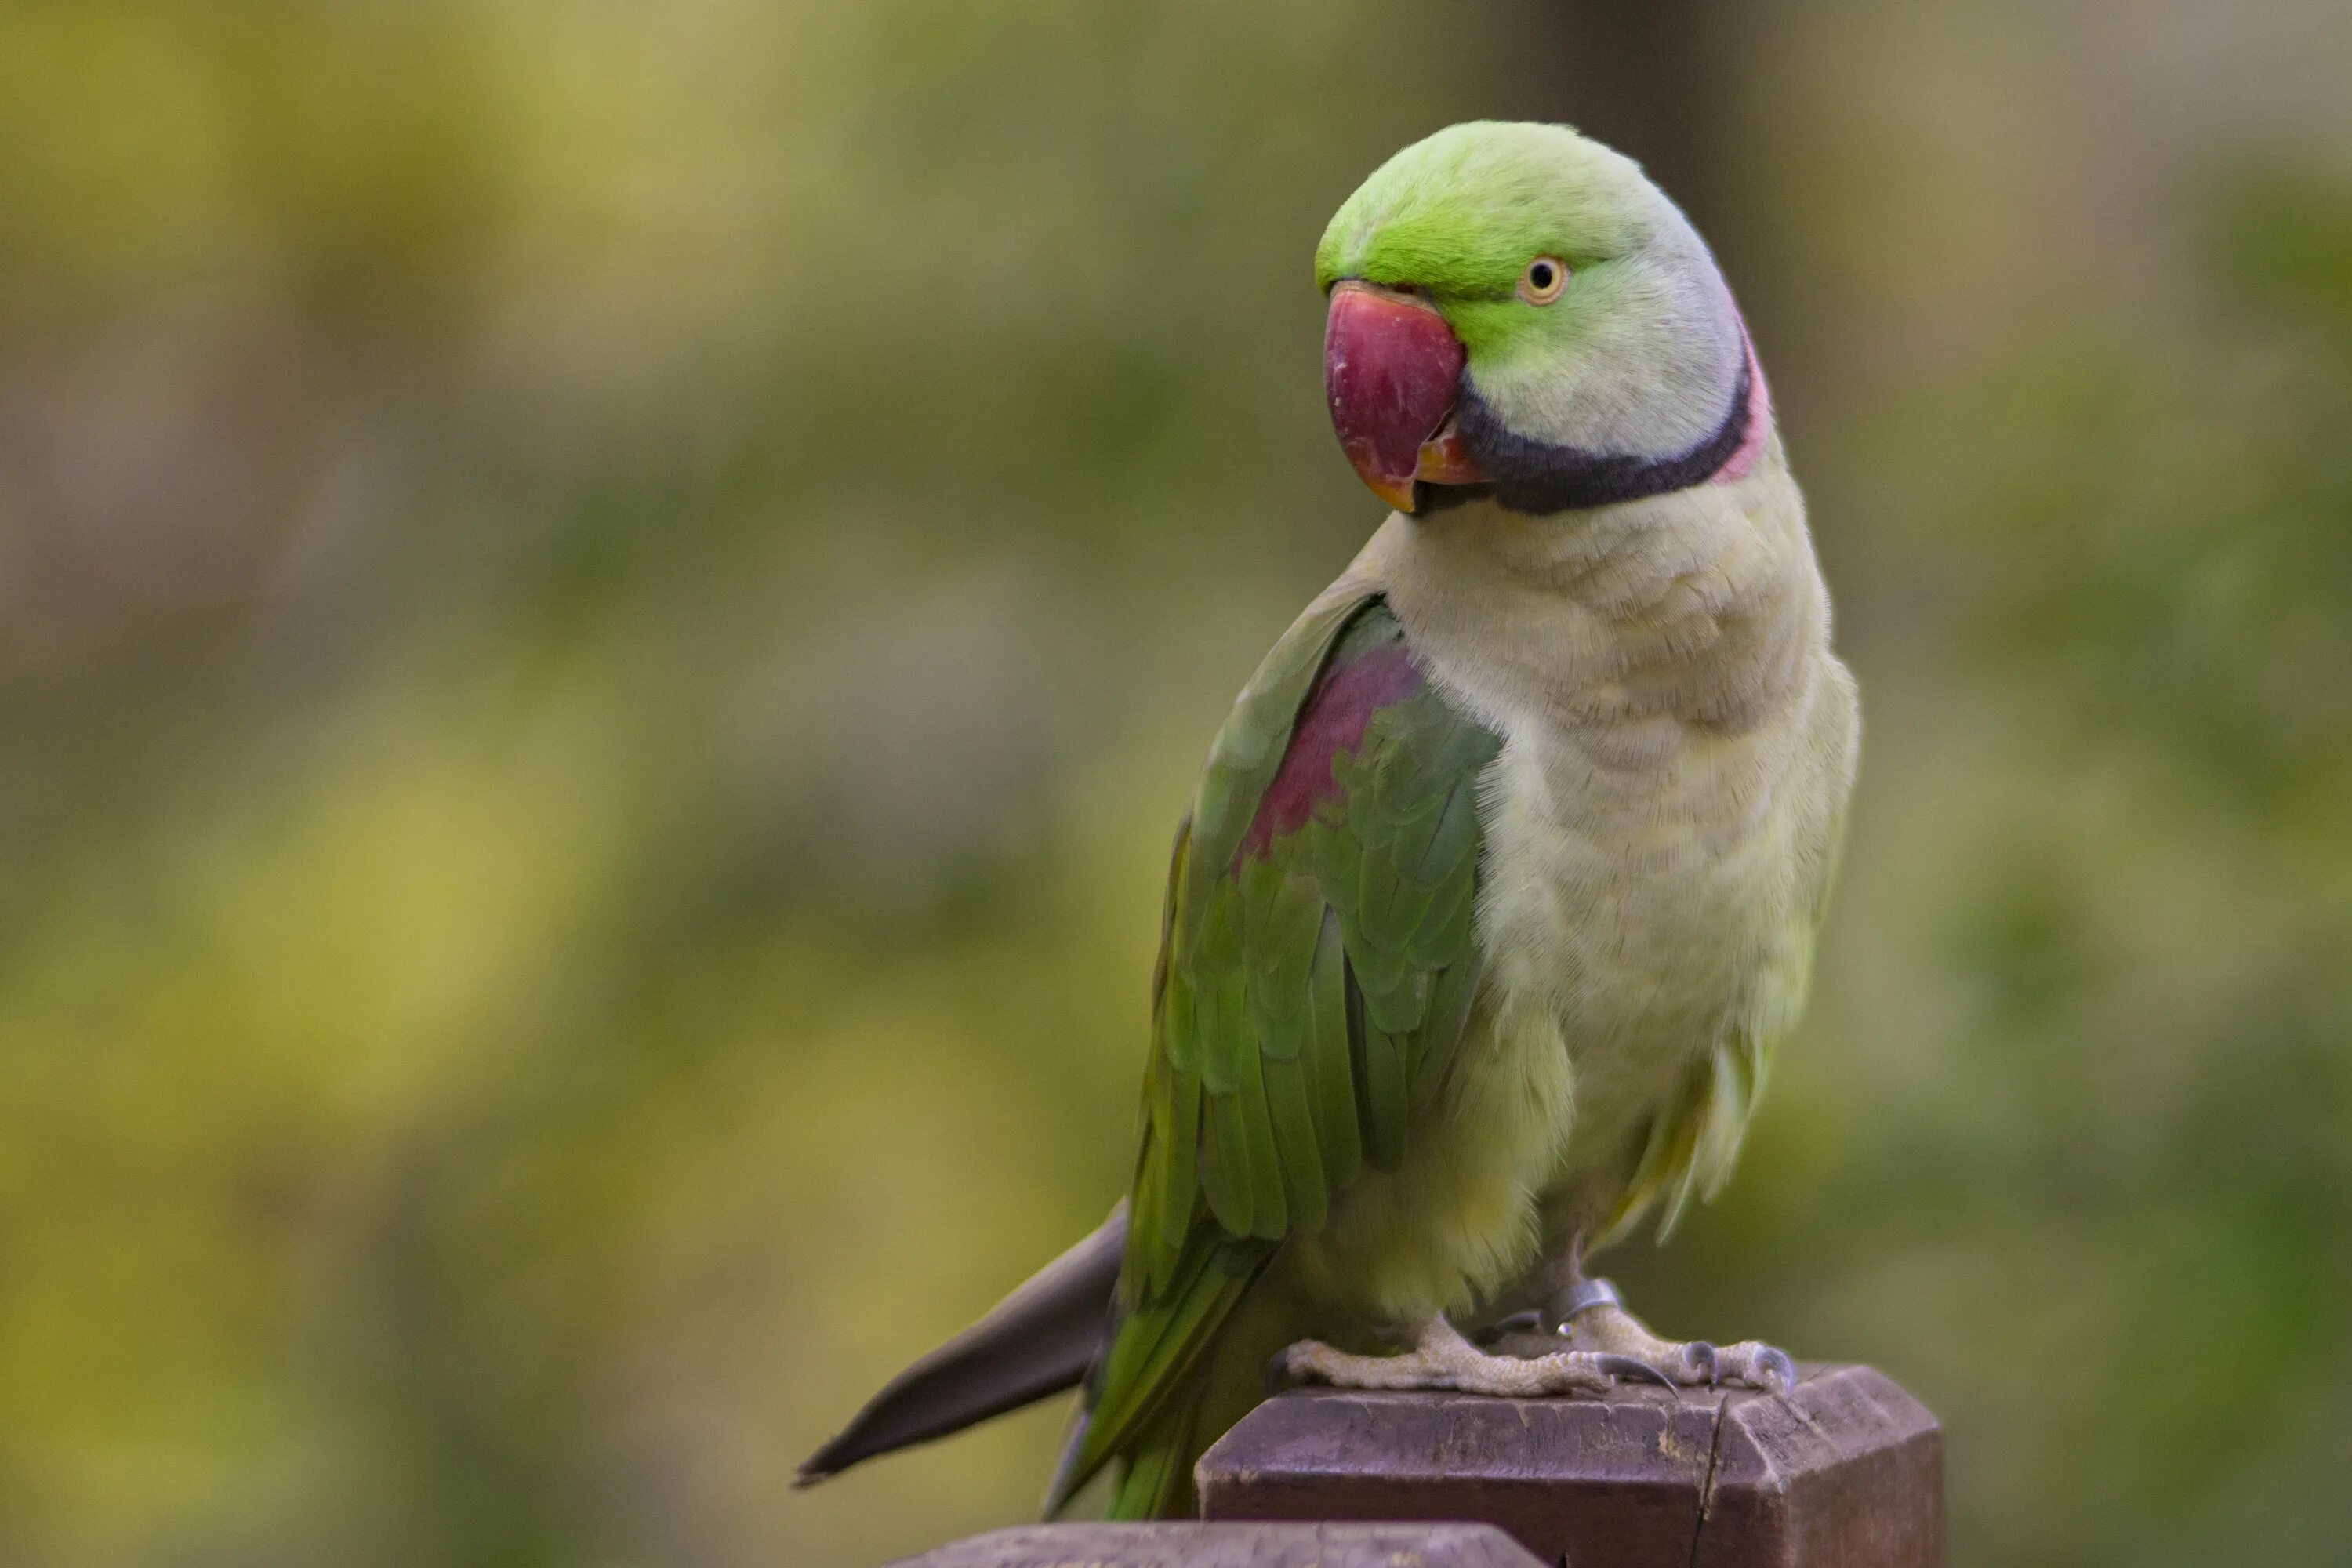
(1336, 714)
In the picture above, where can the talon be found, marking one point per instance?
(1633, 1368)
(1704, 1365)
(1526, 1323)
(1775, 1363)
(1277, 1372)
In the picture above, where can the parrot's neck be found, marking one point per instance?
(1526, 474)
(1702, 607)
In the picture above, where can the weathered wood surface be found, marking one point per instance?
(1848, 1472)
(1232, 1546)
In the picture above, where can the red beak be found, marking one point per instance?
(1391, 368)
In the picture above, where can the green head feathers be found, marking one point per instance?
(1460, 214)
(1641, 355)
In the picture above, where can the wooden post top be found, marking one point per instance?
(1234, 1546)
(1849, 1470)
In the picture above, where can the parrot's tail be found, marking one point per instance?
(1038, 1340)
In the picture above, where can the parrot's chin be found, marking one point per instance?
(1392, 375)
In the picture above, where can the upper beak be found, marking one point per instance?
(1391, 371)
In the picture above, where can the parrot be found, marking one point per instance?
(1503, 879)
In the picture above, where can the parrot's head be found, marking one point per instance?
(1517, 308)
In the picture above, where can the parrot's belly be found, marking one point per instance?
(1649, 919)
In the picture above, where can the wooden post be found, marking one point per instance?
(1848, 1471)
(1232, 1546)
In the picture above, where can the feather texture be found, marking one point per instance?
(1318, 959)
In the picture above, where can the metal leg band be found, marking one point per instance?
(1585, 1295)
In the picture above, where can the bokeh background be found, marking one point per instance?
(605, 611)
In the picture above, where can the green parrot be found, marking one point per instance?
(1502, 880)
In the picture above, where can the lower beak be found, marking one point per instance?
(1391, 372)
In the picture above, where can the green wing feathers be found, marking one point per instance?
(1317, 964)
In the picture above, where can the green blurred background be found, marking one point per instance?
(606, 609)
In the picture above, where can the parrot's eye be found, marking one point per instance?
(1541, 284)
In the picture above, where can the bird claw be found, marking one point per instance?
(1526, 1323)
(1441, 1358)
(1631, 1369)
(1594, 1319)
(1758, 1366)
(1775, 1365)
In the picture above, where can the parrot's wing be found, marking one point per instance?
(1317, 969)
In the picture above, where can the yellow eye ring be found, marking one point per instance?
(1543, 280)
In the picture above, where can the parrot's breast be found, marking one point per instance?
(1646, 918)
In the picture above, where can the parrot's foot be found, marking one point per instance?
(1442, 1359)
(1593, 1320)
